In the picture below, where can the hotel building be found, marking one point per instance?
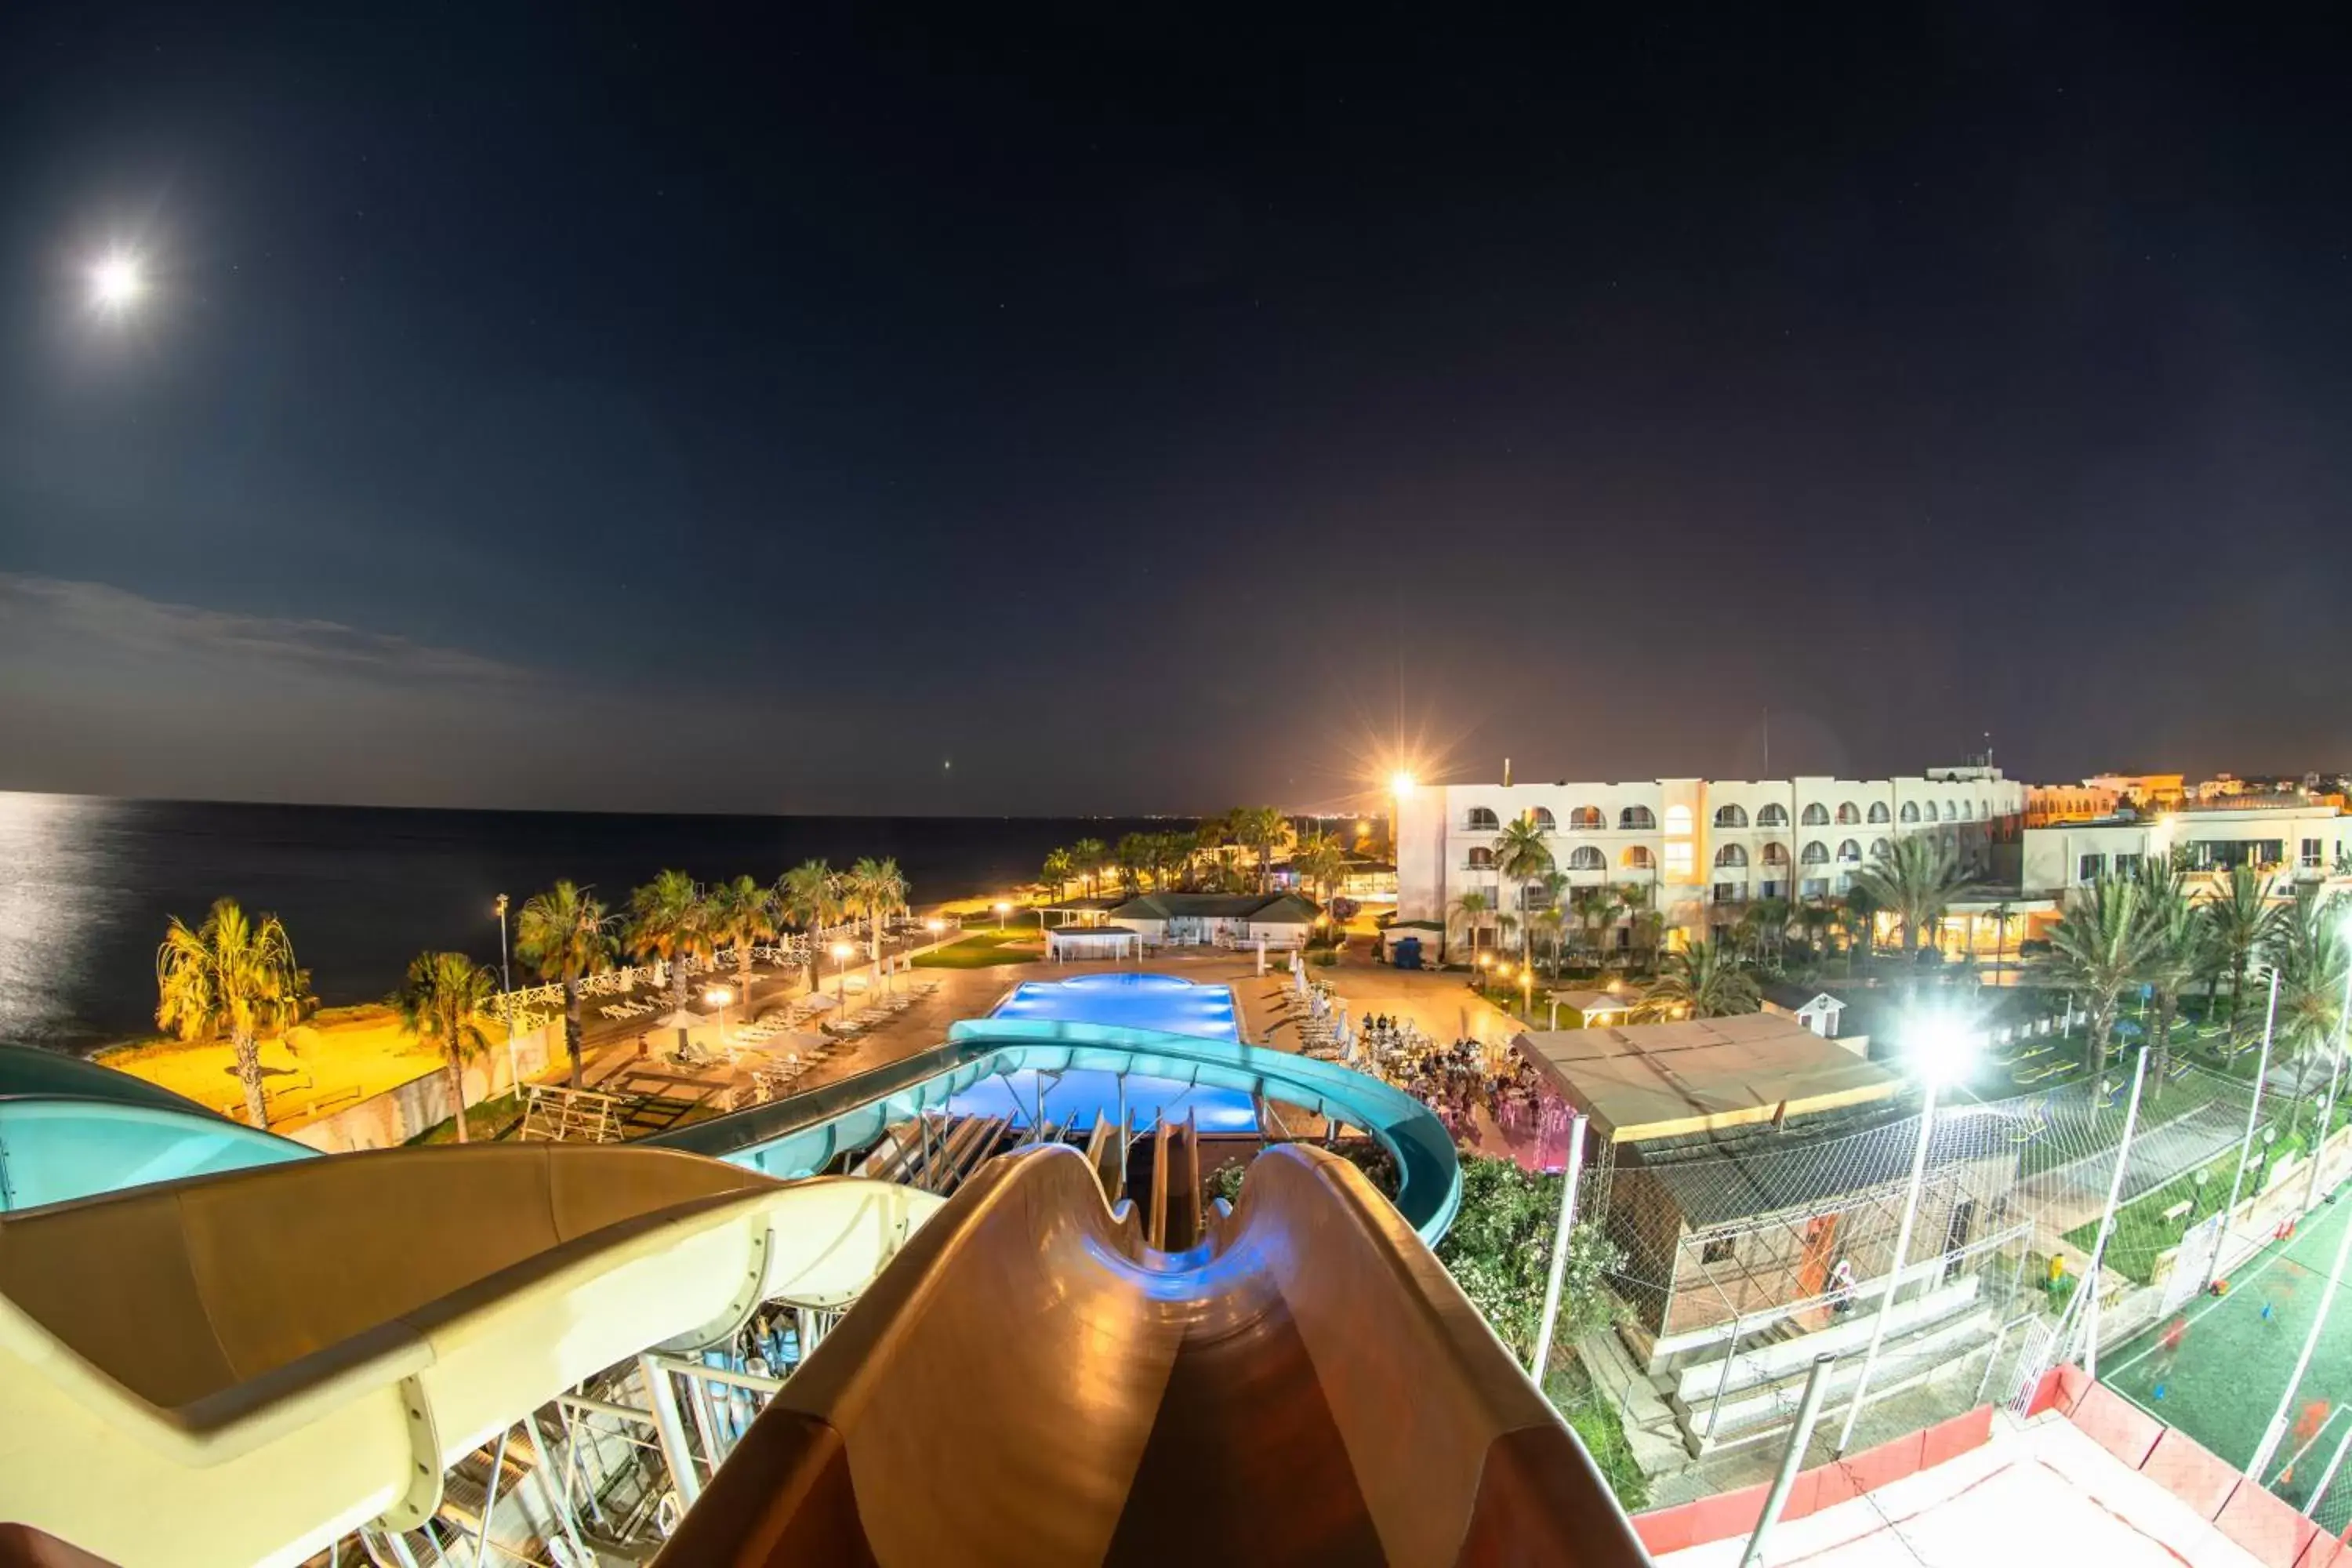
(1698, 844)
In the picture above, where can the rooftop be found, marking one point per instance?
(1269, 909)
(1662, 1080)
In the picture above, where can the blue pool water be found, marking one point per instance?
(1074, 1098)
(1132, 1001)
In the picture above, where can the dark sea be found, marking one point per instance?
(87, 884)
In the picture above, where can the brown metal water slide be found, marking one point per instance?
(1031, 1384)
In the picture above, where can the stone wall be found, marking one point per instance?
(387, 1120)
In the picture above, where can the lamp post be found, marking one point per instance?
(841, 951)
(1004, 917)
(721, 995)
(1940, 1048)
(506, 997)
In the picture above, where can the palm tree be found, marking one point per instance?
(1186, 848)
(2177, 944)
(225, 977)
(442, 1004)
(1132, 855)
(1470, 908)
(1595, 910)
(1639, 902)
(810, 896)
(1057, 871)
(1521, 855)
(2099, 949)
(1706, 980)
(2308, 947)
(1554, 921)
(741, 914)
(1764, 927)
(1088, 856)
(1261, 829)
(877, 890)
(565, 936)
(2002, 917)
(667, 921)
(1320, 862)
(1916, 879)
(2243, 922)
(1815, 918)
(1858, 913)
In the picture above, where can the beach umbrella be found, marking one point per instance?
(681, 1020)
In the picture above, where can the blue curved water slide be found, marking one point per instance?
(71, 1129)
(799, 1135)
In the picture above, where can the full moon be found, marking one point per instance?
(116, 282)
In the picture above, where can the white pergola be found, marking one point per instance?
(1065, 943)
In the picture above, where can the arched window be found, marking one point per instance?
(1967, 811)
(1952, 811)
(1815, 815)
(1637, 859)
(1730, 817)
(1731, 855)
(1776, 854)
(1880, 849)
(1910, 811)
(1878, 811)
(1481, 858)
(1482, 820)
(1849, 852)
(1636, 818)
(1586, 820)
(1535, 896)
(1585, 857)
(1678, 821)
(1544, 820)
(1848, 812)
(1816, 853)
(1772, 816)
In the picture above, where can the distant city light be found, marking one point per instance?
(116, 282)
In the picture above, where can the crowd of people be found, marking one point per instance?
(1458, 1080)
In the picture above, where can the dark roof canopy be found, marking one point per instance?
(1268, 908)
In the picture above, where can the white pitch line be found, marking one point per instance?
(2202, 1313)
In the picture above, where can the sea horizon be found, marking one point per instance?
(88, 883)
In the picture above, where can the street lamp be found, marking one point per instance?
(841, 951)
(1400, 783)
(1004, 916)
(1940, 1046)
(506, 997)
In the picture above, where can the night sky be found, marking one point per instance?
(1151, 409)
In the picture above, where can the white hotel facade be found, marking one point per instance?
(1700, 843)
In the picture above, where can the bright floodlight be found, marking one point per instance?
(116, 282)
(842, 950)
(1941, 1046)
(1400, 783)
(720, 994)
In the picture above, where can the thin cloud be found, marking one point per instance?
(51, 609)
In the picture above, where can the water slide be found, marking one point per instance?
(1032, 1384)
(241, 1368)
(217, 1345)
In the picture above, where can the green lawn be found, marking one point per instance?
(1593, 1417)
(984, 949)
(2141, 1230)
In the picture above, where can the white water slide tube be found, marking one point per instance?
(241, 1368)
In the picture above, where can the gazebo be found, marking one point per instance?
(1065, 943)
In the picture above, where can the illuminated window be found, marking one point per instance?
(1544, 820)
(1637, 857)
(1678, 820)
(1678, 858)
(1586, 820)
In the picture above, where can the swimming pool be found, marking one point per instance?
(1133, 1001)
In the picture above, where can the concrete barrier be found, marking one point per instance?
(388, 1120)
